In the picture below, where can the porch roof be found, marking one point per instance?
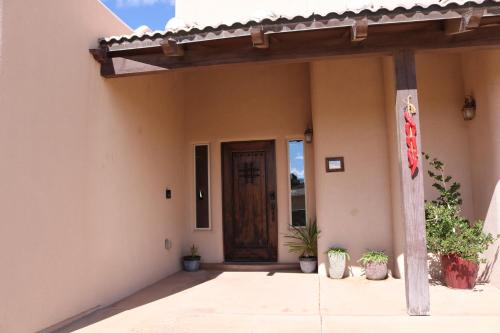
(188, 45)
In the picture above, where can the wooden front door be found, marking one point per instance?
(249, 201)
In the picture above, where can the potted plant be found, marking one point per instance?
(337, 257)
(375, 264)
(458, 242)
(304, 240)
(191, 262)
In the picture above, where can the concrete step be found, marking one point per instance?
(250, 267)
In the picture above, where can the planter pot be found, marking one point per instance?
(191, 264)
(376, 271)
(308, 264)
(337, 265)
(459, 273)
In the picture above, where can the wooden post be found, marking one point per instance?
(416, 275)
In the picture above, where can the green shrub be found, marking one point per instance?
(375, 257)
(304, 240)
(339, 251)
(447, 231)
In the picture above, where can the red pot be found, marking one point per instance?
(459, 273)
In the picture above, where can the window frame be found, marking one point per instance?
(306, 200)
(209, 188)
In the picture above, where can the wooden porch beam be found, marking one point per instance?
(412, 185)
(291, 47)
(171, 48)
(99, 54)
(359, 30)
(259, 39)
(471, 19)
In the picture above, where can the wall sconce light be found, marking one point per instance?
(469, 110)
(308, 134)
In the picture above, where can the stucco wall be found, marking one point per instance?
(239, 103)
(444, 131)
(353, 207)
(85, 163)
(361, 208)
(481, 70)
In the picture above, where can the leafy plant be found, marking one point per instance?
(194, 252)
(304, 240)
(374, 257)
(447, 231)
(339, 251)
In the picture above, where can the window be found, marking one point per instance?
(202, 186)
(296, 169)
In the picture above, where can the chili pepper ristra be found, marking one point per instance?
(411, 136)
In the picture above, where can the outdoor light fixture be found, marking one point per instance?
(469, 110)
(308, 134)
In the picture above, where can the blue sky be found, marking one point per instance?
(296, 151)
(153, 13)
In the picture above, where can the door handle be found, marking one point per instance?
(272, 199)
(272, 196)
(200, 194)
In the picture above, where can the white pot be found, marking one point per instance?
(308, 264)
(337, 265)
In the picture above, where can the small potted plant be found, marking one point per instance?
(303, 240)
(191, 262)
(337, 257)
(375, 264)
(451, 237)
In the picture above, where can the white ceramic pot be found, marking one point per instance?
(308, 264)
(337, 265)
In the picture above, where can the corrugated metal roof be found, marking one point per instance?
(331, 13)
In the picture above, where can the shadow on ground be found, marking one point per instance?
(164, 288)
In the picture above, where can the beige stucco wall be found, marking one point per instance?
(85, 162)
(444, 131)
(361, 208)
(481, 71)
(353, 207)
(239, 103)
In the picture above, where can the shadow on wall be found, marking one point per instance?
(162, 289)
(490, 272)
(485, 275)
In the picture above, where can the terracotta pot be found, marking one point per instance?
(308, 264)
(459, 273)
(376, 271)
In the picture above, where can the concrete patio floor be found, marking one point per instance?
(209, 301)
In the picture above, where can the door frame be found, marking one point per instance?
(271, 186)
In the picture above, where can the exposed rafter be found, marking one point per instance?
(359, 30)
(171, 48)
(259, 39)
(100, 55)
(471, 19)
(296, 46)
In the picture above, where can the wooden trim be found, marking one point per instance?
(306, 196)
(301, 46)
(259, 39)
(330, 159)
(195, 227)
(100, 55)
(359, 30)
(471, 19)
(416, 275)
(171, 48)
